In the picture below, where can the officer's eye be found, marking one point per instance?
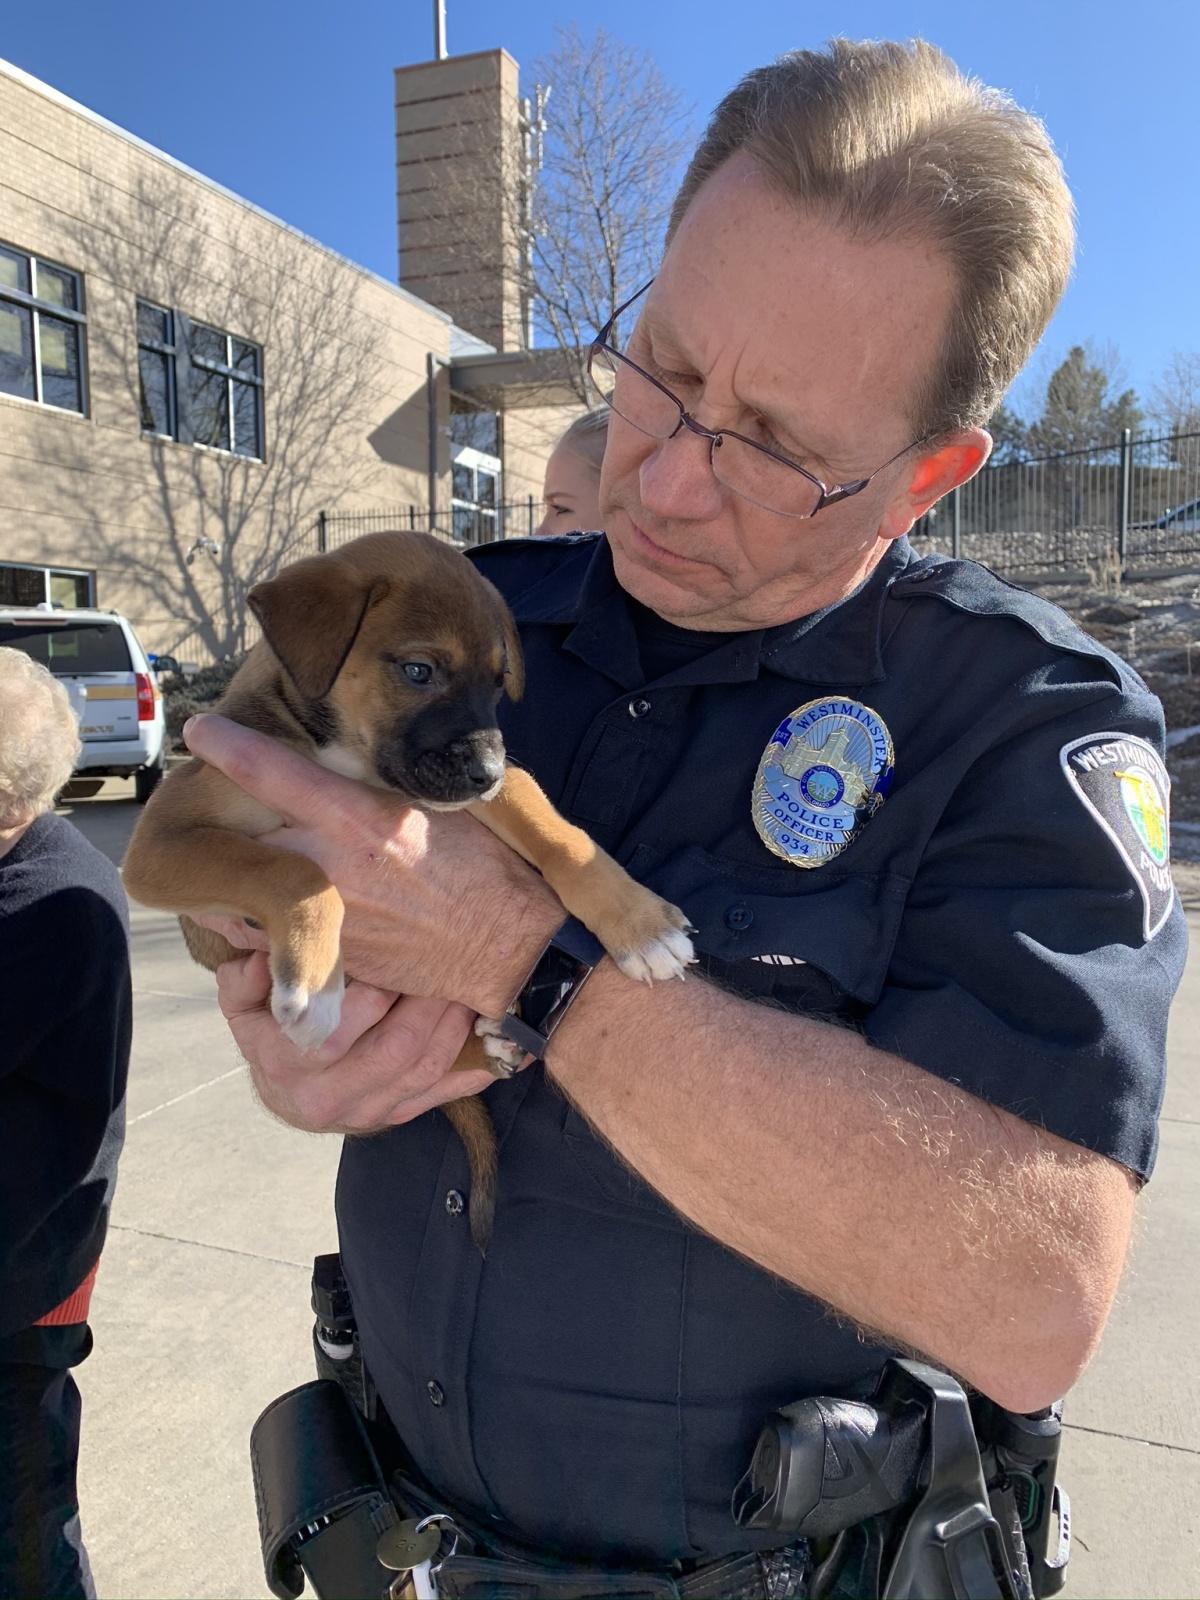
(417, 671)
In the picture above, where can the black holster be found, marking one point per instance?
(914, 1496)
(321, 1497)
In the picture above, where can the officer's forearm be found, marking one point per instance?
(919, 1211)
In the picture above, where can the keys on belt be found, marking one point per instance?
(412, 1550)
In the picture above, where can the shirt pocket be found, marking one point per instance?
(760, 927)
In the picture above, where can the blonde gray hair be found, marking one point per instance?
(892, 140)
(587, 437)
(39, 738)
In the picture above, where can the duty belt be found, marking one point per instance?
(327, 1513)
(919, 1491)
(477, 1565)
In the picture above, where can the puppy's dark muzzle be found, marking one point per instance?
(460, 771)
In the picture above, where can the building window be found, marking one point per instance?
(199, 384)
(156, 369)
(474, 482)
(23, 585)
(42, 319)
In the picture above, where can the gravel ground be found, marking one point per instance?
(1154, 623)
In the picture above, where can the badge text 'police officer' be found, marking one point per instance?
(826, 771)
(1124, 784)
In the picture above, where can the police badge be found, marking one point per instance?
(826, 771)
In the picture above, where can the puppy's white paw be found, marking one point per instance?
(665, 956)
(504, 1057)
(307, 1020)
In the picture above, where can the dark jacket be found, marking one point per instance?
(65, 1015)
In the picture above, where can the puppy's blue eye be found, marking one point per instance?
(417, 671)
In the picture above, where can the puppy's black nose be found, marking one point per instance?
(482, 771)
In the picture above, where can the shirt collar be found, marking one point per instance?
(839, 645)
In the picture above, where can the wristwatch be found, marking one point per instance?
(547, 994)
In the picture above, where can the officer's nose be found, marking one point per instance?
(676, 481)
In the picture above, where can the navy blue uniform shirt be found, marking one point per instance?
(597, 1384)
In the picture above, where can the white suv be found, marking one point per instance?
(96, 656)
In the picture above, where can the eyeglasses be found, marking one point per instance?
(755, 471)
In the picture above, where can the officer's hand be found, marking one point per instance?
(388, 1061)
(435, 904)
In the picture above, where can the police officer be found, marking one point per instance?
(916, 816)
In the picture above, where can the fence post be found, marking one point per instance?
(1123, 486)
(322, 533)
(956, 524)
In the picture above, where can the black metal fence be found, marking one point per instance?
(460, 524)
(1130, 505)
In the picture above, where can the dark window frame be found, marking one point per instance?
(163, 348)
(45, 571)
(30, 301)
(182, 359)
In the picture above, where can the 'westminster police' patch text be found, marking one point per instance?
(1122, 781)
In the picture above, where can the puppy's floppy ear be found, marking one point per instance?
(310, 615)
(514, 656)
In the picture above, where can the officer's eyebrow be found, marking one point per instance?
(797, 437)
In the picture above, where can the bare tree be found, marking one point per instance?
(563, 214)
(194, 529)
(616, 136)
(1175, 396)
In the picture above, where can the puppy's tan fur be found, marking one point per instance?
(325, 681)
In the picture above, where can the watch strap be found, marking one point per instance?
(555, 980)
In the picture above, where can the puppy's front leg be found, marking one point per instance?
(645, 935)
(206, 870)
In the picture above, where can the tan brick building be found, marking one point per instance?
(187, 384)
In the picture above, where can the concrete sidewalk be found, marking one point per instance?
(201, 1311)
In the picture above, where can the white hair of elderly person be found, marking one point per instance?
(39, 743)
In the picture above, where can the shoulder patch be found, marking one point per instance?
(1123, 783)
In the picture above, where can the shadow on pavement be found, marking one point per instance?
(108, 820)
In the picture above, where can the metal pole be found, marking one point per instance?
(1123, 496)
(439, 30)
(322, 533)
(956, 525)
(432, 423)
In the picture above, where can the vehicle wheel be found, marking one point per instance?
(146, 780)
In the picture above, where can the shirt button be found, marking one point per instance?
(454, 1203)
(638, 708)
(739, 918)
(437, 1395)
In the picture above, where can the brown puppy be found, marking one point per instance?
(384, 661)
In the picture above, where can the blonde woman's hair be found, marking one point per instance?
(892, 140)
(587, 436)
(39, 738)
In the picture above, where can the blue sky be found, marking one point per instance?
(291, 106)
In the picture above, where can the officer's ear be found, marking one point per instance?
(933, 473)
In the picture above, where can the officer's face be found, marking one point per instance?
(765, 318)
